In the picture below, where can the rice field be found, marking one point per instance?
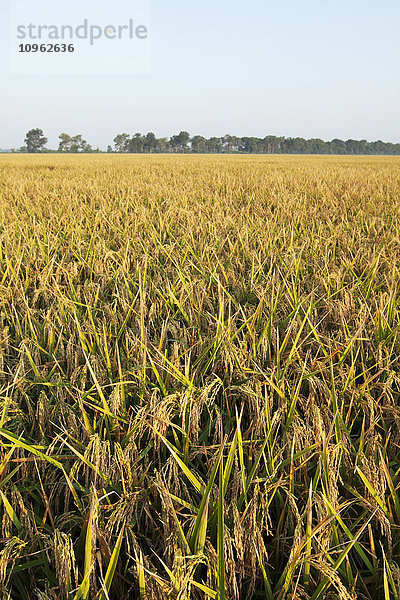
(199, 377)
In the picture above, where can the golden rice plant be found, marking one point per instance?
(199, 377)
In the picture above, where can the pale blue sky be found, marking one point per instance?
(296, 68)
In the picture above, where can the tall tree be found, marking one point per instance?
(180, 142)
(35, 140)
(65, 142)
(73, 144)
(230, 143)
(136, 143)
(162, 145)
(199, 144)
(121, 142)
(150, 142)
(79, 145)
(214, 145)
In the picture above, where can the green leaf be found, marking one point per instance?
(112, 566)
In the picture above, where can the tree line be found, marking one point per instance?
(35, 141)
(138, 143)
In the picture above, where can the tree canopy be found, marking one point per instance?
(35, 140)
(182, 142)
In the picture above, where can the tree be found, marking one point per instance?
(80, 145)
(150, 142)
(214, 145)
(136, 143)
(87, 147)
(250, 145)
(162, 144)
(65, 142)
(73, 144)
(230, 143)
(337, 146)
(297, 145)
(199, 144)
(109, 149)
(35, 141)
(180, 142)
(76, 143)
(121, 142)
